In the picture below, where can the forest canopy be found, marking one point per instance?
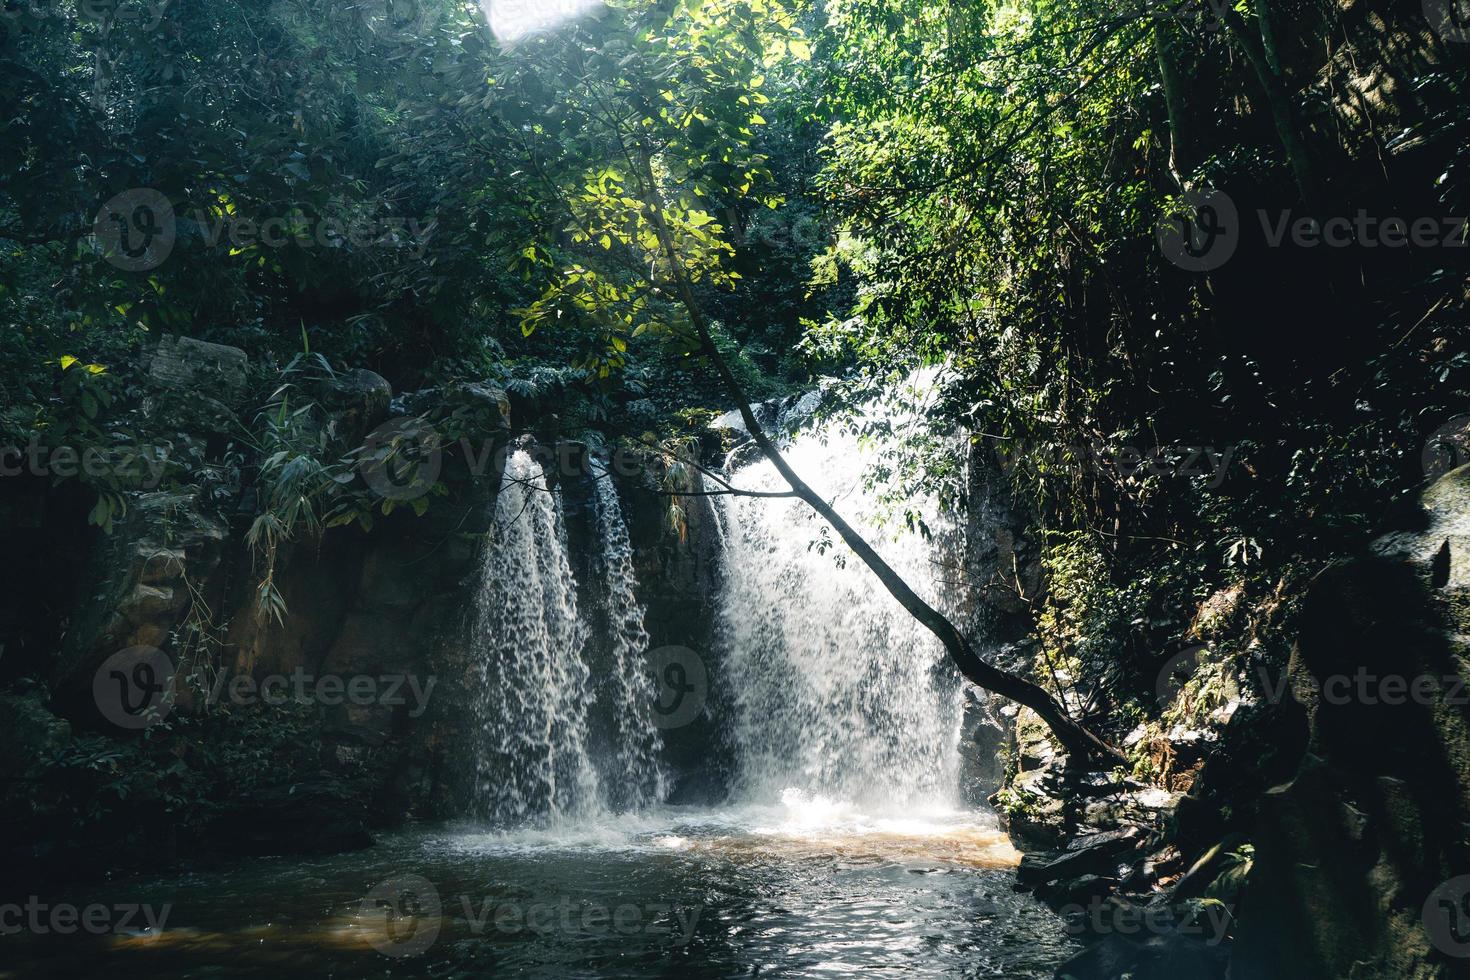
(444, 193)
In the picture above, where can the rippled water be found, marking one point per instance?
(805, 888)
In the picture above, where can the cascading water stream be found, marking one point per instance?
(540, 692)
(838, 693)
(844, 722)
(833, 695)
(527, 640)
(641, 776)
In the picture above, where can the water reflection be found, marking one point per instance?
(805, 889)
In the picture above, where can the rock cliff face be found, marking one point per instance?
(386, 606)
(1329, 827)
(1359, 853)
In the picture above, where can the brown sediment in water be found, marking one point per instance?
(970, 847)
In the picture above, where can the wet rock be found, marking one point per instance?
(1079, 891)
(1033, 809)
(1033, 746)
(1098, 854)
(1145, 807)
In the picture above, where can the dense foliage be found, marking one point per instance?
(853, 187)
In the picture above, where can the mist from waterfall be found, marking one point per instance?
(837, 692)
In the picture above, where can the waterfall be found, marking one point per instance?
(837, 691)
(539, 695)
(534, 690)
(640, 775)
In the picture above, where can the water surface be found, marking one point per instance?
(804, 888)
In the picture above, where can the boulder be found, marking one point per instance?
(1353, 848)
(183, 362)
(139, 584)
(1033, 809)
(200, 386)
(1033, 746)
(356, 402)
(1098, 854)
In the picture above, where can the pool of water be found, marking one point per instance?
(801, 888)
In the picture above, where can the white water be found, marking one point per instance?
(535, 691)
(837, 700)
(838, 693)
(641, 777)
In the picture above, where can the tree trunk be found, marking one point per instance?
(1171, 75)
(1080, 743)
(1289, 128)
